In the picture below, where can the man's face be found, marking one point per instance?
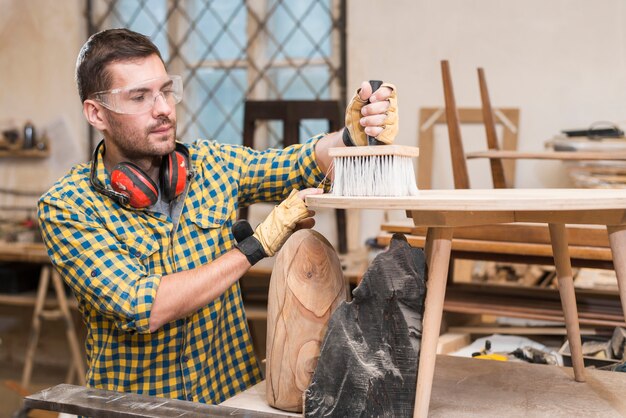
(151, 133)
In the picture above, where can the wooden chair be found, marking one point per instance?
(496, 156)
(519, 243)
(292, 113)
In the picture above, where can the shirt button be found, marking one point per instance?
(185, 359)
(190, 397)
(137, 254)
(94, 273)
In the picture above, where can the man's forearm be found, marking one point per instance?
(182, 293)
(322, 158)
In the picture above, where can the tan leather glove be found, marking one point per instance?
(354, 134)
(280, 223)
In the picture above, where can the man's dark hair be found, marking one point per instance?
(104, 48)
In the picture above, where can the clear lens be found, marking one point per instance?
(141, 97)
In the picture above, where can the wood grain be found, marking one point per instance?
(306, 287)
(399, 150)
(497, 167)
(459, 168)
(541, 201)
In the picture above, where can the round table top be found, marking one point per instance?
(491, 200)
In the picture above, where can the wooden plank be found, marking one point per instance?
(23, 252)
(512, 248)
(548, 155)
(25, 153)
(28, 299)
(514, 330)
(532, 233)
(594, 308)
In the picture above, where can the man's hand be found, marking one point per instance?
(271, 234)
(378, 118)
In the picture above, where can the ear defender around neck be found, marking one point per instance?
(130, 185)
(130, 180)
(173, 174)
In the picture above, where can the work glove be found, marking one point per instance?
(354, 134)
(272, 233)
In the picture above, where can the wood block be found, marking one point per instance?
(307, 286)
(452, 341)
(368, 360)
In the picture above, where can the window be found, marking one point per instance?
(230, 51)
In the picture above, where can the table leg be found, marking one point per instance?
(558, 237)
(617, 240)
(438, 246)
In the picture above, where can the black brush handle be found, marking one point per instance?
(375, 86)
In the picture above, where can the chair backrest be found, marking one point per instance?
(497, 168)
(292, 113)
(457, 153)
(459, 166)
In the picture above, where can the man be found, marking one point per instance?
(143, 234)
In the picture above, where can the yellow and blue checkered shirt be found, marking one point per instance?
(113, 258)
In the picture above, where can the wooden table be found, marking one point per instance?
(58, 309)
(443, 210)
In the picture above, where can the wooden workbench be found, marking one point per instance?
(462, 387)
(443, 210)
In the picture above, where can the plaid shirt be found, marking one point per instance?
(113, 258)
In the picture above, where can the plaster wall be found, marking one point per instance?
(39, 41)
(562, 62)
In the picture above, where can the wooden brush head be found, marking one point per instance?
(398, 150)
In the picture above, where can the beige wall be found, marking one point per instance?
(39, 41)
(562, 62)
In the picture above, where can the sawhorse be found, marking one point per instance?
(61, 312)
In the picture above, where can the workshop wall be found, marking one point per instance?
(563, 63)
(39, 41)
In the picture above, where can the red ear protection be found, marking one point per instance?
(142, 192)
(130, 185)
(173, 174)
(129, 180)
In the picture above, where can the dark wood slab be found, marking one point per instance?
(368, 360)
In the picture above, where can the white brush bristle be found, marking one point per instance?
(378, 175)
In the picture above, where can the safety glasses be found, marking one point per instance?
(141, 97)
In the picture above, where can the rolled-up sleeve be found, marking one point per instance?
(105, 274)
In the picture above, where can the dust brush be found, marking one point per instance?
(379, 170)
